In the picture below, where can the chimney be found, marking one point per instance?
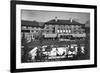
(56, 19)
(71, 20)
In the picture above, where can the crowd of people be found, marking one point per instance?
(54, 52)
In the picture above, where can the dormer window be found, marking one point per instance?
(56, 19)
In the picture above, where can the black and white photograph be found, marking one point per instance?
(52, 36)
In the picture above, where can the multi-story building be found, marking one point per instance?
(55, 28)
(61, 28)
(30, 30)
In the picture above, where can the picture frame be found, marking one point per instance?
(43, 12)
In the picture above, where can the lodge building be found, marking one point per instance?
(52, 29)
(58, 27)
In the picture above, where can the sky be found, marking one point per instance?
(44, 16)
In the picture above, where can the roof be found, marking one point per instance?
(54, 22)
(30, 23)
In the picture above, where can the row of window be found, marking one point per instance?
(63, 25)
(57, 26)
(65, 31)
(69, 31)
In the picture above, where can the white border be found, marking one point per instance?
(20, 65)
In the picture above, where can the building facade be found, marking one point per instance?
(57, 27)
(30, 30)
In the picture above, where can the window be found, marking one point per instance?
(58, 31)
(69, 31)
(63, 30)
(23, 27)
(66, 31)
